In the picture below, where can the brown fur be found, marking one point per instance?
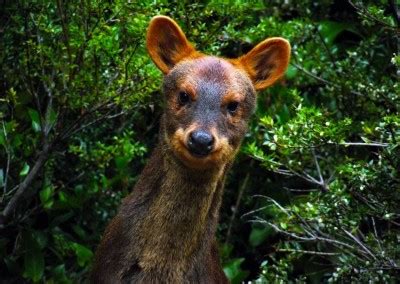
(164, 230)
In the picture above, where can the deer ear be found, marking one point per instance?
(266, 62)
(166, 43)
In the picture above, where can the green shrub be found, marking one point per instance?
(313, 194)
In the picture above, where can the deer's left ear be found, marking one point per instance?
(266, 62)
(167, 44)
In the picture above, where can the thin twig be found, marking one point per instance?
(302, 238)
(321, 179)
(359, 243)
(275, 202)
(376, 235)
(328, 51)
(362, 11)
(322, 80)
(255, 211)
(310, 229)
(65, 29)
(6, 146)
(300, 190)
(305, 176)
(106, 116)
(309, 252)
(279, 230)
(376, 144)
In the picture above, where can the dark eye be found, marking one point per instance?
(232, 107)
(183, 98)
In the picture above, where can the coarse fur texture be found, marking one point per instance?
(164, 231)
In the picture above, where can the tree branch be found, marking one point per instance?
(22, 188)
(309, 252)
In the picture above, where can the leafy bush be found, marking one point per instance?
(313, 194)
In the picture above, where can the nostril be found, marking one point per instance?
(210, 143)
(200, 142)
(191, 139)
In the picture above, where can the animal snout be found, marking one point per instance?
(200, 143)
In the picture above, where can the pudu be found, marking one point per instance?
(165, 229)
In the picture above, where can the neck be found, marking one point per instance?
(182, 216)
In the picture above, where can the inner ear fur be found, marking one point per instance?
(167, 44)
(266, 62)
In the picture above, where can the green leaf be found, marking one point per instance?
(25, 170)
(33, 258)
(258, 235)
(52, 117)
(60, 275)
(365, 139)
(267, 121)
(80, 232)
(283, 225)
(46, 195)
(2, 138)
(225, 250)
(122, 162)
(35, 119)
(233, 271)
(68, 200)
(330, 30)
(291, 72)
(41, 238)
(83, 254)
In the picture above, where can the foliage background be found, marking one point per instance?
(314, 193)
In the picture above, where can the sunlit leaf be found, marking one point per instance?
(233, 271)
(25, 170)
(83, 254)
(35, 119)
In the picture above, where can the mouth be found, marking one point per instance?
(191, 158)
(197, 160)
(196, 154)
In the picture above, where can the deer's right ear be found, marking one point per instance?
(167, 44)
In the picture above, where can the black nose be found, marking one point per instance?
(200, 143)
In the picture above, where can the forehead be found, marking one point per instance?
(210, 71)
(212, 68)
